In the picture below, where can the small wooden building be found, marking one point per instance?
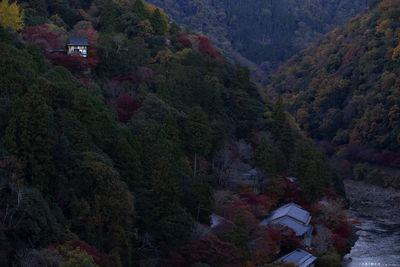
(77, 46)
(294, 217)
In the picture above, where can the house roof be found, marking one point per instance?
(299, 228)
(292, 210)
(77, 41)
(217, 220)
(299, 257)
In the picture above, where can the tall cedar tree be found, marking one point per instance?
(197, 134)
(29, 137)
(108, 17)
(264, 158)
(239, 235)
(158, 22)
(140, 9)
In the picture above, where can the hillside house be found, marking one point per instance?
(77, 46)
(299, 257)
(295, 217)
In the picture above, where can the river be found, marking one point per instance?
(377, 245)
(378, 241)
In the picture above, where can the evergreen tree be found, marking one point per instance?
(287, 140)
(29, 135)
(140, 9)
(203, 200)
(158, 22)
(264, 158)
(197, 134)
(311, 184)
(102, 206)
(108, 16)
(171, 129)
(239, 235)
(127, 161)
(278, 119)
(302, 156)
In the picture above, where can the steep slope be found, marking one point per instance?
(264, 32)
(114, 159)
(345, 90)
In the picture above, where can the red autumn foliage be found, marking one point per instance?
(343, 231)
(99, 258)
(200, 44)
(206, 48)
(49, 41)
(126, 107)
(44, 37)
(185, 41)
(340, 243)
(264, 250)
(223, 228)
(175, 260)
(84, 81)
(266, 246)
(258, 205)
(143, 75)
(252, 199)
(211, 251)
(319, 221)
(273, 234)
(330, 194)
(358, 152)
(292, 193)
(75, 64)
(289, 240)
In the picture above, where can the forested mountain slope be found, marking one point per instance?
(264, 32)
(345, 90)
(121, 158)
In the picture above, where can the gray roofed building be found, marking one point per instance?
(77, 46)
(78, 41)
(295, 217)
(299, 257)
(299, 228)
(293, 211)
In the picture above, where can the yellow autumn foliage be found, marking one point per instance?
(11, 15)
(396, 53)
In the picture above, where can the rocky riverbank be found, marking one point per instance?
(378, 236)
(374, 202)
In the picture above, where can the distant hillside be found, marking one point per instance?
(265, 32)
(346, 88)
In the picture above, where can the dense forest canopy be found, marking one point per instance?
(264, 32)
(124, 157)
(345, 90)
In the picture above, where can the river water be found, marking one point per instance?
(378, 244)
